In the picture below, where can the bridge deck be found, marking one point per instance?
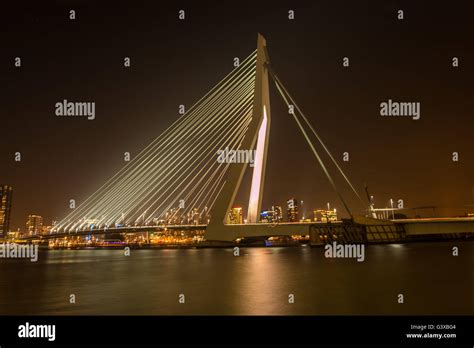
(396, 229)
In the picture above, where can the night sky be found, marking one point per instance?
(175, 62)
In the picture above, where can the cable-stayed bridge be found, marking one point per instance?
(182, 180)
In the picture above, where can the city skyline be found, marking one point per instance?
(35, 225)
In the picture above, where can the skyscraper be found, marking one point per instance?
(5, 209)
(302, 210)
(267, 216)
(278, 213)
(34, 225)
(273, 215)
(292, 210)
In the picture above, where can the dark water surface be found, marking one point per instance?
(256, 283)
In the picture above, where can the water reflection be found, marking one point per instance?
(257, 282)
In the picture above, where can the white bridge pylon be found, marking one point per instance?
(256, 138)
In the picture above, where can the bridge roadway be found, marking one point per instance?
(432, 226)
(245, 230)
(426, 226)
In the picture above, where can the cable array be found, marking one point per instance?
(302, 121)
(177, 177)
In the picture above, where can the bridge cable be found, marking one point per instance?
(149, 180)
(151, 146)
(315, 152)
(225, 112)
(320, 141)
(317, 136)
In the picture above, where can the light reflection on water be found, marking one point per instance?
(256, 283)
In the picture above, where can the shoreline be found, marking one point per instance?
(252, 245)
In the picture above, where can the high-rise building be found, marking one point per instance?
(34, 225)
(235, 216)
(278, 213)
(292, 210)
(302, 210)
(194, 217)
(5, 209)
(267, 216)
(171, 216)
(273, 215)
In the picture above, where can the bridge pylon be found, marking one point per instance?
(256, 139)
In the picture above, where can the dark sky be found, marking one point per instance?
(176, 62)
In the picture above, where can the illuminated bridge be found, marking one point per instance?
(188, 177)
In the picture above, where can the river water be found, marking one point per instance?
(258, 282)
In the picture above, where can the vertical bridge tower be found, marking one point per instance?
(256, 138)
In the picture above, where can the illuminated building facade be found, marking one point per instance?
(34, 225)
(267, 216)
(292, 210)
(194, 217)
(235, 216)
(325, 215)
(278, 211)
(273, 215)
(5, 209)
